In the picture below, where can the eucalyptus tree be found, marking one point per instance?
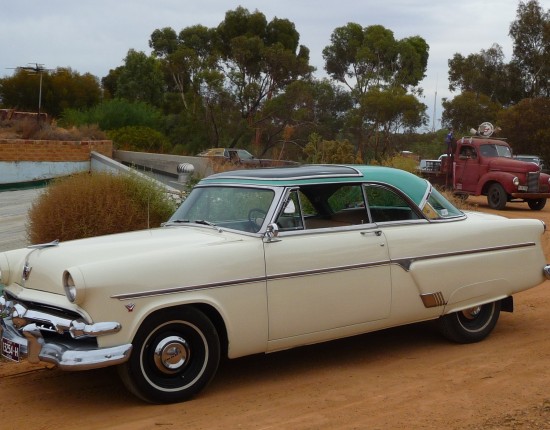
(304, 108)
(374, 65)
(531, 47)
(527, 127)
(140, 79)
(189, 58)
(467, 110)
(259, 60)
(483, 73)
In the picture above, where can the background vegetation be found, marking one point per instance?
(248, 83)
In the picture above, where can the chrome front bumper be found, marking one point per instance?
(69, 348)
(546, 271)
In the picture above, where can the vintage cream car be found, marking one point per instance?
(257, 261)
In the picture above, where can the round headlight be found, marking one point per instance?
(4, 269)
(69, 286)
(515, 181)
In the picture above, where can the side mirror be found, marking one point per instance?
(271, 232)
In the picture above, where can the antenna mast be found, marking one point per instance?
(435, 102)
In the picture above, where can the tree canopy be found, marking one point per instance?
(247, 82)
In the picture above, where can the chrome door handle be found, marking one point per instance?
(374, 232)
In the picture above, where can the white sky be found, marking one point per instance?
(94, 36)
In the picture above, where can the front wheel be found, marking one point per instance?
(470, 325)
(536, 204)
(175, 354)
(496, 197)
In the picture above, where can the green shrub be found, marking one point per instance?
(319, 151)
(139, 138)
(86, 205)
(113, 114)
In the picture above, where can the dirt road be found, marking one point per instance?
(404, 378)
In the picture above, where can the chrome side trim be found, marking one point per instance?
(404, 263)
(244, 281)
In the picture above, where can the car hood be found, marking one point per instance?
(44, 267)
(512, 166)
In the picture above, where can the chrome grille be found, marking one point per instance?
(533, 182)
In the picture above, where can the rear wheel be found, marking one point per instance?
(470, 325)
(175, 354)
(536, 204)
(497, 197)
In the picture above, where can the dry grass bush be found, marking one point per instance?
(459, 202)
(86, 205)
(31, 129)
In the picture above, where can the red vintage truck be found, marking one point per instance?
(481, 165)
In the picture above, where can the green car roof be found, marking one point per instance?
(413, 186)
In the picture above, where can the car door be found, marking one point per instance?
(467, 172)
(327, 278)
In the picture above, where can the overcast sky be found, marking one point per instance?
(94, 36)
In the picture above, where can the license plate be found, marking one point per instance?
(522, 188)
(10, 349)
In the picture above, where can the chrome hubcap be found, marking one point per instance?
(172, 354)
(471, 313)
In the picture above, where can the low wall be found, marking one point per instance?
(52, 150)
(28, 161)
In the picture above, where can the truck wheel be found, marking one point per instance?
(536, 204)
(496, 197)
(175, 354)
(470, 325)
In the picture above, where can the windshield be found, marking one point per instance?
(244, 155)
(494, 150)
(238, 208)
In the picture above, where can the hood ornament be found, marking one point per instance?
(27, 268)
(26, 271)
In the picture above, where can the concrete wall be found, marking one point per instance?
(163, 162)
(28, 161)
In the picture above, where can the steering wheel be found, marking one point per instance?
(257, 216)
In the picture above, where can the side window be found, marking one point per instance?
(290, 217)
(386, 206)
(334, 206)
(468, 152)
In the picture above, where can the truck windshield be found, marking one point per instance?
(494, 150)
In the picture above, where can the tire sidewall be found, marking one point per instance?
(458, 328)
(496, 197)
(156, 387)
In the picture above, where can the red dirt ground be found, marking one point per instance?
(403, 378)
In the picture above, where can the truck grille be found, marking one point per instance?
(533, 182)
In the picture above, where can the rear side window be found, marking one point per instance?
(385, 205)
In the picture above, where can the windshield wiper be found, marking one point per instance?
(204, 222)
(195, 221)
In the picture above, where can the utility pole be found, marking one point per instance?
(435, 102)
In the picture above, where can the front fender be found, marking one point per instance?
(503, 178)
